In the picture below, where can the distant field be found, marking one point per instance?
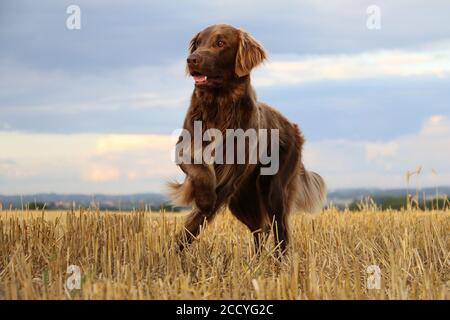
(131, 256)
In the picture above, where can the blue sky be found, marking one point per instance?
(92, 110)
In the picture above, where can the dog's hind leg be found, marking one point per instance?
(276, 206)
(246, 205)
(277, 194)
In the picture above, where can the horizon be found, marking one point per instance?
(412, 189)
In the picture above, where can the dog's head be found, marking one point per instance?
(221, 54)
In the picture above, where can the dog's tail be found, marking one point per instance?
(181, 193)
(311, 192)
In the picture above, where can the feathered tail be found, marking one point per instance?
(181, 193)
(311, 192)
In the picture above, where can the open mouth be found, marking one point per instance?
(199, 78)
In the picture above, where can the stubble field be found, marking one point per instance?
(132, 256)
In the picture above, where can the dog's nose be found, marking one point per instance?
(194, 59)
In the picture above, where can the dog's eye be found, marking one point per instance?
(220, 43)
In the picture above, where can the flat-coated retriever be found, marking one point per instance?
(220, 60)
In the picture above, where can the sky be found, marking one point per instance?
(93, 110)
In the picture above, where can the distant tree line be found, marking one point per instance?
(163, 207)
(398, 203)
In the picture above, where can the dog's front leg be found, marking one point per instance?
(203, 181)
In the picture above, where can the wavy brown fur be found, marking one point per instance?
(228, 101)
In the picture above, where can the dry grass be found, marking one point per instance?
(131, 256)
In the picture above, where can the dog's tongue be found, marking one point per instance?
(200, 79)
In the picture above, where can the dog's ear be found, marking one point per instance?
(249, 54)
(191, 48)
(193, 44)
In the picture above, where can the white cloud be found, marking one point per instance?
(166, 86)
(436, 125)
(101, 173)
(432, 60)
(384, 164)
(111, 163)
(374, 150)
(119, 143)
(125, 163)
(130, 157)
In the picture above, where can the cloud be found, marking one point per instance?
(101, 173)
(346, 163)
(153, 99)
(119, 143)
(87, 163)
(374, 150)
(436, 125)
(123, 163)
(327, 72)
(143, 87)
(130, 157)
(136, 100)
(433, 60)
(141, 36)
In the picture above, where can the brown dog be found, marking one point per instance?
(220, 60)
